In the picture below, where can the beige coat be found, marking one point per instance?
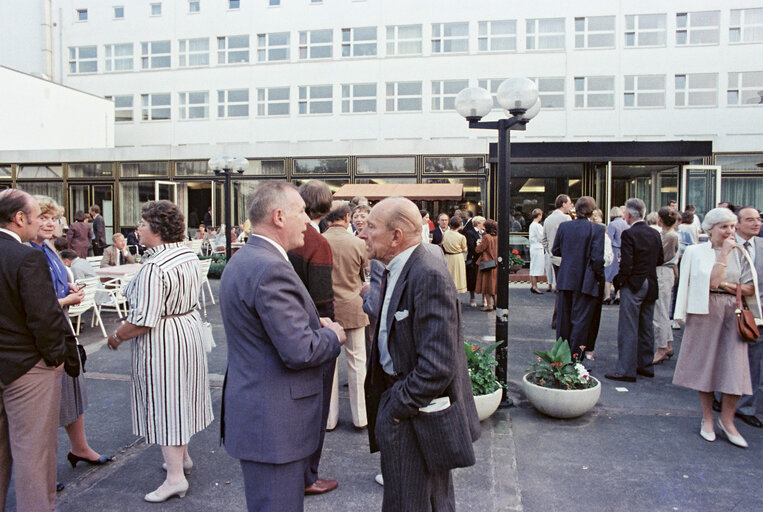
(111, 257)
(349, 253)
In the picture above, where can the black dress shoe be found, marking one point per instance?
(100, 461)
(644, 373)
(607, 302)
(751, 420)
(716, 405)
(617, 376)
(60, 486)
(616, 302)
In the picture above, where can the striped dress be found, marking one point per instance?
(170, 386)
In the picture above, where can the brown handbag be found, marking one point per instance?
(746, 326)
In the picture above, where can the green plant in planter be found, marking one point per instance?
(557, 369)
(515, 259)
(217, 266)
(481, 365)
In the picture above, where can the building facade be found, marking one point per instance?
(660, 100)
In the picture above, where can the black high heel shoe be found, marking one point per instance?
(535, 290)
(100, 461)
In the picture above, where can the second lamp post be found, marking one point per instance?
(224, 166)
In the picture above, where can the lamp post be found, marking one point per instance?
(224, 166)
(519, 96)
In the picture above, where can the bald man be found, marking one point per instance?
(421, 411)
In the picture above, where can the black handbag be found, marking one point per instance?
(487, 265)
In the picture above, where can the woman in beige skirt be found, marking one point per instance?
(454, 246)
(713, 356)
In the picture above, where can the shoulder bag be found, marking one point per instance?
(746, 326)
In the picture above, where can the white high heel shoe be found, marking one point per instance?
(707, 436)
(165, 492)
(735, 440)
(187, 466)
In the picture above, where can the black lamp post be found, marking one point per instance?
(223, 166)
(519, 96)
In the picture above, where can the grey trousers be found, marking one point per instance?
(635, 331)
(274, 487)
(748, 404)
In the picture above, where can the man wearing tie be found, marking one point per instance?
(117, 254)
(422, 415)
(99, 230)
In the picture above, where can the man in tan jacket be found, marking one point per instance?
(117, 253)
(350, 260)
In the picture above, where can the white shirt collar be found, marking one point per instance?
(315, 225)
(398, 262)
(275, 244)
(9, 232)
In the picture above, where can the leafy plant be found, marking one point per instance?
(217, 266)
(481, 365)
(514, 258)
(558, 369)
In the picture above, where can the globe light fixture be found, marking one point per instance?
(474, 103)
(517, 94)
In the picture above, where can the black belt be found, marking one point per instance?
(389, 380)
(721, 292)
(446, 252)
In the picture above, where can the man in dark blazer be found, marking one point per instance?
(417, 366)
(580, 244)
(99, 230)
(32, 349)
(440, 228)
(277, 348)
(640, 255)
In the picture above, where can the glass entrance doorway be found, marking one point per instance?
(83, 196)
(194, 198)
(656, 185)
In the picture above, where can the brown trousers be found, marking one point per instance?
(29, 408)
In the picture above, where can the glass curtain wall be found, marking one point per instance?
(741, 179)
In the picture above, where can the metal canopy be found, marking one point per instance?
(414, 192)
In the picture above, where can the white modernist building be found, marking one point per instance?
(650, 98)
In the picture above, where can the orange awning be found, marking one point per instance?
(413, 191)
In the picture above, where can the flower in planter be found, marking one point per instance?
(514, 258)
(481, 365)
(558, 369)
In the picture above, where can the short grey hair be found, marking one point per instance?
(716, 216)
(635, 207)
(116, 237)
(651, 219)
(266, 198)
(615, 212)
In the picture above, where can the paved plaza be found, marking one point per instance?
(638, 450)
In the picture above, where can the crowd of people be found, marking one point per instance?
(317, 275)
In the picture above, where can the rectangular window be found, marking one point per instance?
(273, 47)
(491, 85)
(155, 54)
(81, 14)
(155, 107)
(595, 32)
(497, 36)
(745, 88)
(122, 107)
(545, 34)
(403, 40)
(274, 3)
(316, 1)
(550, 91)
(642, 91)
(358, 41)
(645, 30)
(193, 52)
(233, 103)
(316, 44)
(273, 101)
(404, 97)
(450, 37)
(118, 57)
(233, 49)
(119, 12)
(358, 98)
(697, 90)
(156, 9)
(83, 59)
(594, 92)
(444, 93)
(697, 27)
(746, 25)
(234, 4)
(193, 105)
(315, 99)
(194, 5)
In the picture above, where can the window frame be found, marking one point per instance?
(743, 28)
(636, 31)
(440, 39)
(151, 10)
(147, 59)
(536, 35)
(544, 93)
(688, 30)
(76, 60)
(111, 60)
(114, 12)
(147, 107)
(309, 45)
(185, 54)
(586, 93)
(395, 97)
(78, 13)
(192, 3)
(185, 106)
(349, 98)
(488, 37)
(227, 50)
(396, 40)
(352, 44)
(441, 97)
(118, 109)
(264, 102)
(265, 49)
(586, 33)
(740, 88)
(686, 91)
(305, 99)
(226, 104)
(635, 91)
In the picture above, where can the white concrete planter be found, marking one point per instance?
(487, 404)
(561, 403)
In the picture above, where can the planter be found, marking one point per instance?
(514, 269)
(561, 403)
(487, 404)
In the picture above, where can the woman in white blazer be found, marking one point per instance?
(713, 356)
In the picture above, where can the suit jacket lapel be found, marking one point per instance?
(399, 287)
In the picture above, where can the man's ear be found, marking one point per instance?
(277, 216)
(397, 237)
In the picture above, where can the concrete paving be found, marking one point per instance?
(638, 450)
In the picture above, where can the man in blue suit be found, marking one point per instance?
(277, 347)
(580, 244)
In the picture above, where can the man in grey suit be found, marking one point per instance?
(277, 347)
(99, 230)
(421, 410)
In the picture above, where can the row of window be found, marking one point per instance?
(639, 91)
(642, 30)
(155, 8)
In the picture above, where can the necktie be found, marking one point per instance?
(121, 258)
(746, 246)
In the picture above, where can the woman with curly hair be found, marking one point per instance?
(170, 386)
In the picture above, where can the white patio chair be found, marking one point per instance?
(88, 303)
(204, 269)
(95, 261)
(115, 288)
(196, 246)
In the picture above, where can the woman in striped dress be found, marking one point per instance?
(170, 387)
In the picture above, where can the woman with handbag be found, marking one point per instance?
(73, 393)
(713, 355)
(488, 270)
(171, 400)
